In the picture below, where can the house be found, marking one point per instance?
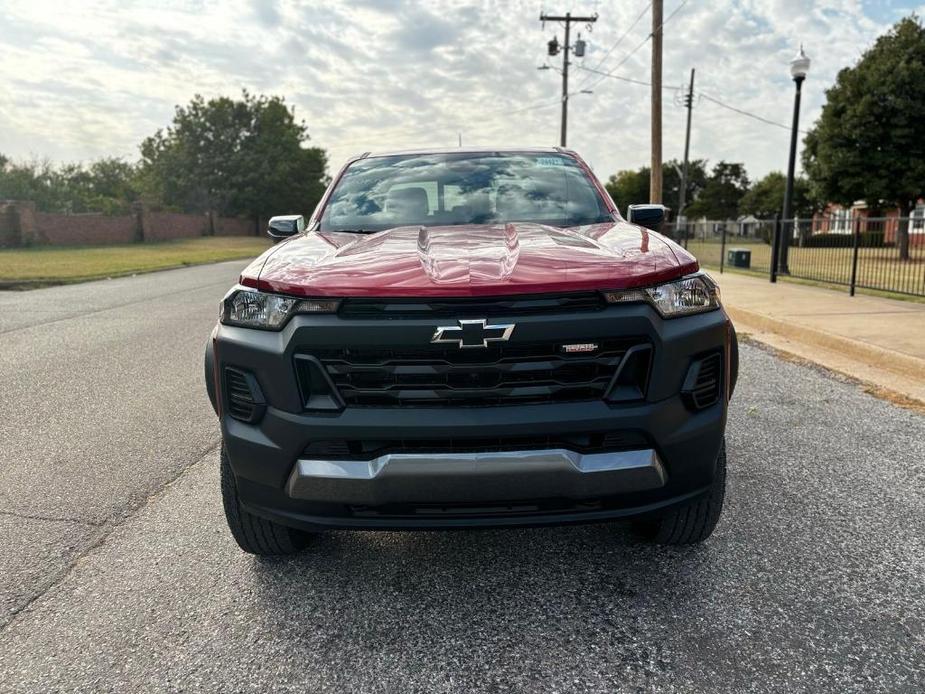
(744, 226)
(837, 219)
(747, 225)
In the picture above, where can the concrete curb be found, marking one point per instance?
(889, 360)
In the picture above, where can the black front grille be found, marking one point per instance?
(439, 375)
(367, 449)
(704, 381)
(471, 306)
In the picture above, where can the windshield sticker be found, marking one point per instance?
(550, 161)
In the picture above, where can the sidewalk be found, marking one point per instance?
(878, 341)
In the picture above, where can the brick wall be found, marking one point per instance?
(233, 226)
(9, 226)
(21, 225)
(163, 226)
(84, 229)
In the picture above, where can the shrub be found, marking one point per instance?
(868, 239)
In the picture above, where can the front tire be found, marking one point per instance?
(254, 534)
(695, 522)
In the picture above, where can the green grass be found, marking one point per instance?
(830, 267)
(24, 268)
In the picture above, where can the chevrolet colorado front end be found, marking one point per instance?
(470, 338)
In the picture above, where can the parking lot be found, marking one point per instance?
(117, 572)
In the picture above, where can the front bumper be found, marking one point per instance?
(671, 460)
(454, 478)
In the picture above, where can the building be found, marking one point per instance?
(837, 219)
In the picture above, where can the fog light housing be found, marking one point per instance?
(244, 400)
(703, 385)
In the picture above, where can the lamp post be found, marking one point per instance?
(799, 67)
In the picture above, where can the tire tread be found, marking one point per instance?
(254, 534)
(695, 522)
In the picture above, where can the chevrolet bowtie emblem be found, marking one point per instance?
(472, 333)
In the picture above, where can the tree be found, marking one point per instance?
(28, 180)
(766, 197)
(724, 189)
(631, 187)
(234, 157)
(112, 183)
(671, 182)
(869, 142)
(107, 185)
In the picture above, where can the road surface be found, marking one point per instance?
(117, 573)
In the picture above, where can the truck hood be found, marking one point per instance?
(469, 260)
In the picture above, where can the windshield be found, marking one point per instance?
(465, 188)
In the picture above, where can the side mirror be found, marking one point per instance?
(649, 216)
(285, 225)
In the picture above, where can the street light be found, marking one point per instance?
(799, 68)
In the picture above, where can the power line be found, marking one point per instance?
(618, 41)
(618, 77)
(699, 94)
(641, 43)
(569, 94)
(533, 107)
(745, 113)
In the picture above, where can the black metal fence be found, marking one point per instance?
(884, 253)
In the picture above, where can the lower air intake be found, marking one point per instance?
(243, 398)
(703, 385)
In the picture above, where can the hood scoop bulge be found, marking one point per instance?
(488, 256)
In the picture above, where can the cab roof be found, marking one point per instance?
(464, 150)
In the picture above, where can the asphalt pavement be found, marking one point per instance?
(101, 403)
(117, 572)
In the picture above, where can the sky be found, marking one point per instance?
(84, 80)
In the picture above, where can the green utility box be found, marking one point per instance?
(739, 257)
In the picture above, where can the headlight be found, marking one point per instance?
(249, 308)
(695, 294)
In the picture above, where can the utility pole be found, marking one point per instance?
(655, 181)
(566, 48)
(682, 194)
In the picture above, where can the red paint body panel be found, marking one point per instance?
(469, 260)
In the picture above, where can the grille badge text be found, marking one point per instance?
(580, 347)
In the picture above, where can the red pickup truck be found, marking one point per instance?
(462, 338)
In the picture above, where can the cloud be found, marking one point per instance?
(96, 79)
(267, 13)
(421, 30)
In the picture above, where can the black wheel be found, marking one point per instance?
(253, 533)
(694, 523)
